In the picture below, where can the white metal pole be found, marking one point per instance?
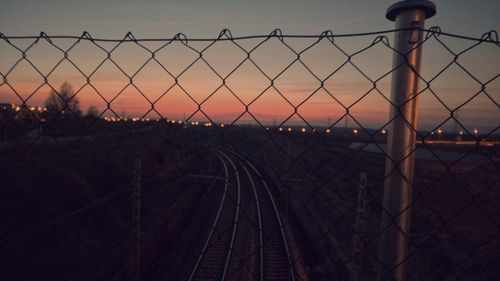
(410, 16)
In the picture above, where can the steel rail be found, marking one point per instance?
(277, 214)
(278, 217)
(216, 220)
(236, 217)
(259, 218)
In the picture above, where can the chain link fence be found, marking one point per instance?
(245, 158)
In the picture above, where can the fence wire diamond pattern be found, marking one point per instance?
(239, 158)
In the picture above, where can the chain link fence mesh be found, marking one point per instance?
(262, 157)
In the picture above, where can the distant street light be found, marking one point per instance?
(328, 131)
(289, 129)
(303, 130)
(355, 131)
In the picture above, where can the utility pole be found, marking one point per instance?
(346, 125)
(456, 129)
(359, 224)
(136, 222)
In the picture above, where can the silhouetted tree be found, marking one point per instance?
(6, 118)
(63, 104)
(63, 112)
(92, 111)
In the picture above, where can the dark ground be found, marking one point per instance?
(454, 215)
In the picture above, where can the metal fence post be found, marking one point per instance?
(395, 226)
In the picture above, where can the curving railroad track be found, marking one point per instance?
(246, 238)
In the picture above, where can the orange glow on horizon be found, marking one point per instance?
(222, 105)
(148, 94)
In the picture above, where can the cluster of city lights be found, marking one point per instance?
(280, 129)
(461, 133)
(18, 108)
(222, 125)
(176, 121)
(305, 130)
(210, 124)
(126, 119)
(147, 119)
(328, 130)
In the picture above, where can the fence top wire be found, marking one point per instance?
(225, 35)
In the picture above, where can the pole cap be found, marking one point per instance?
(427, 6)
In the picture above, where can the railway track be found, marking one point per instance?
(247, 239)
(277, 261)
(214, 259)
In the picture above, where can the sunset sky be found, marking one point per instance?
(205, 19)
